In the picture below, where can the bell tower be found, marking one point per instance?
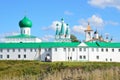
(88, 33)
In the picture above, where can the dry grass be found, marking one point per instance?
(36, 70)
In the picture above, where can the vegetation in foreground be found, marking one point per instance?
(36, 70)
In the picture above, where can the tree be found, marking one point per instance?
(74, 38)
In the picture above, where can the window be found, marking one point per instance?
(55, 49)
(80, 49)
(106, 59)
(84, 49)
(45, 49)
(8, 56)
(1, 56)
(18, 50)
(119, 50)
(110, 59)
(13, 50)
(106, 49)
(49, 49)
(64, 49)
(73, 49)
(31, 50)
(1, 50)
(24, 55)
(35, 50)
(97, 57)
(112, 50)
(24, 50)
(84, 57)
(93, 49)
(80, 57)
(97, 49)
(70, 58)
(19, 56)
(7, 50)
(102, 49)
(68, 49)
(24, 31)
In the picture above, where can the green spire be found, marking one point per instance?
(57, 31)
(67, 31)
(62, 29)
(62, 19)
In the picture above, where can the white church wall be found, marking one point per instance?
(58, 54)
(104, 56)
(19, 54)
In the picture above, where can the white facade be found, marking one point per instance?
(83, 53)
(20, 54)
(25, 31)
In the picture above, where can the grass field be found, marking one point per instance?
(34, 70)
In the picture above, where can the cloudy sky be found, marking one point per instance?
(103, 15)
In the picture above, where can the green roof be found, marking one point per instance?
(103, 44)
(39, 45)
(21, 36)
(57, 44)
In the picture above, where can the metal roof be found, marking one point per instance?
(39, 45)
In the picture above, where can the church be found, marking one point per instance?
(28, 47)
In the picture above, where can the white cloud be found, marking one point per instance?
(96, 21)
(105, 3)
(78, 29)
(52, 26)
(47, 38)
(68, 13)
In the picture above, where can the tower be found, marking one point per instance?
(25, 26)
(96, 35)
(88, 33)
(67, 33)
(57, 32)
(62, 32)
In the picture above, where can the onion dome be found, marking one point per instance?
(25, 22)
(96, 32)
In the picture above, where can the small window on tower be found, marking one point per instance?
(89, 33)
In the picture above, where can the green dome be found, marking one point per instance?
(25, 22)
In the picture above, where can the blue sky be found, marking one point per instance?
(103, 15)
